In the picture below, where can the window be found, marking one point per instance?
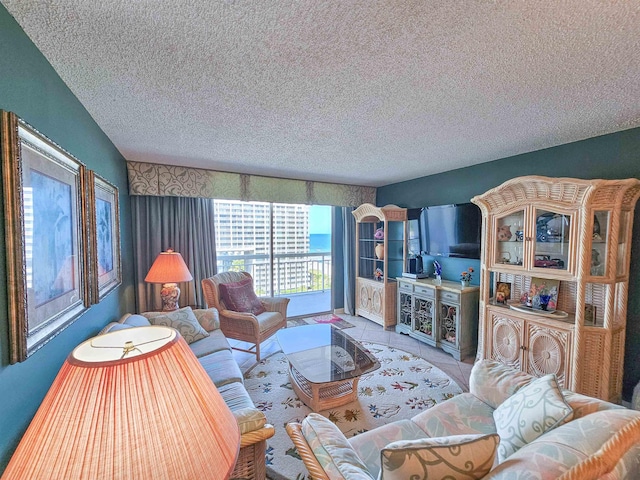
(285, 247)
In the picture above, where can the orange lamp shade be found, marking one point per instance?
(134, 404)
(168, 267)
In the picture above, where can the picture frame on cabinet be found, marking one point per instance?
(503, 293)
(542, 295)
(589, 315)
(104, 228)
(46, 239)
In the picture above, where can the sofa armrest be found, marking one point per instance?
(276, 304)
(493, 382)
(605, 459)
(304, 450)
(255, 436)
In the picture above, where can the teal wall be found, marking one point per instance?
(30, 88)
(610, 156)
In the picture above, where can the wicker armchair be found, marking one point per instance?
(247, 327)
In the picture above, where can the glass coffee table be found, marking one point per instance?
(325, 364)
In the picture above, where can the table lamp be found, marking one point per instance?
(134, 403)
(169, 269)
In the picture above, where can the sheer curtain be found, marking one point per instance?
(183, 224)
(349, 254)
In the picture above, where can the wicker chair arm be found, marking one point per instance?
(605, 459)
(304, 450)
(249, 438)
(276, 304)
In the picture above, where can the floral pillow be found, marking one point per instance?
(529, 413)
(240, 297)
(182, 320)
(463, 457)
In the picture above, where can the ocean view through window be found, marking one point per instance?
(285, 247)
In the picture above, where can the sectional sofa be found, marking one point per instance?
(201, 330)
(510, 426)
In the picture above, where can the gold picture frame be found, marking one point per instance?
(104, 226)
(45, 236)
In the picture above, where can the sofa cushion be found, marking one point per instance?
(369, 444)
(528, 413)
(240, 297)
(493, 382)
(249, 419)
(221, 368)
(208, 318)
(182, 320)
(235, 396)
(583, 405)
(332, 449)
(463, 457)
(459, 415)
(215, 342)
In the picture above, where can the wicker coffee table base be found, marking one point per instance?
(322, 396)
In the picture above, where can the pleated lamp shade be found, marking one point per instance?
(153, 413)
(168, 267)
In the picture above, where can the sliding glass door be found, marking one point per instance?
(285, 247)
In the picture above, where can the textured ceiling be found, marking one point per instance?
(355, 91)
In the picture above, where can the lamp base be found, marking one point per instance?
(170, 294)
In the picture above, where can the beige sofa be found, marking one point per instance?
(214, 354)
(510, 426)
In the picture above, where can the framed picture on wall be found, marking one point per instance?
(104, 221)
(46, 236)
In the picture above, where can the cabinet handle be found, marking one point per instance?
(523, 348)
(528, 239)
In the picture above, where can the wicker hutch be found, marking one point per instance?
(380, 258)
(570, 238)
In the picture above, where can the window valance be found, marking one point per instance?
(153, 179)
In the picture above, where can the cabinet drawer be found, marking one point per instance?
(424, 291)
(450, 297)
(405, 287)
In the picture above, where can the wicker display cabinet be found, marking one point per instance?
(376, 268)
(565, 235)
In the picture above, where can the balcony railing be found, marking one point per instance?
(292, 272)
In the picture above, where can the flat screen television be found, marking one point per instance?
(451, 230)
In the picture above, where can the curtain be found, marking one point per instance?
(183, 224)
(349, 254)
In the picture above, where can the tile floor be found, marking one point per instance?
(367, 331)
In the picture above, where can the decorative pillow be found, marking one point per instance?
(208, 318)
(182, 320)
(332, 449)
(240, 297)
(463, 457)
(528, 413)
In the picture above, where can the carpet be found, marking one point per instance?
(332, 319)
(403, 386)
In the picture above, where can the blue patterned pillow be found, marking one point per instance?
(182, 320)
(533, 410)
(463, 457)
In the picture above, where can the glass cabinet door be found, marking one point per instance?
(599, 241)
(509, 231)
(552, 238)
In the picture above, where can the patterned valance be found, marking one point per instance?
(153, 179)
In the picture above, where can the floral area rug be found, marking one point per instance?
(402, 387)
